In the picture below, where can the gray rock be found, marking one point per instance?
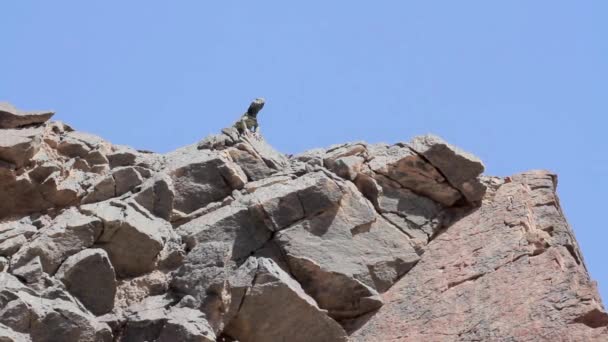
(12, 229)
(411, 171)
(154, 319)
(126, 179)
(186, 324)
(252, 164)
(103, 190)
(344, 256)
(132, 237)
(31, 272)
(204, 276)
(285, 203)
(18, 146)
(87, 270)
(459, 167)
(122, 156)
(236, 225)
(157, 196)
(9, 335)
(69, 233)
(55, 318)
(347, 167)
(11, 117)
(289, 314)
(3, 264)
(12, 245)
(202, 177)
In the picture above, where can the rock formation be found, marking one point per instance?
(229, 240)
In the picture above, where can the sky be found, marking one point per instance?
(521, 84)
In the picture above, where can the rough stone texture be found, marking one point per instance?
(89, 276)
(202, 178)
(67, 234)
(11, 117)
(289, 313)
(132, 237)
(231, 240)
(48, 315)
(459, 167)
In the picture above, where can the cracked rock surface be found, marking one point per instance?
(230, 240)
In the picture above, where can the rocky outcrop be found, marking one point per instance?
(11, 117)
(229, 240)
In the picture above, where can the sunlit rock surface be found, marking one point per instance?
(230, 240)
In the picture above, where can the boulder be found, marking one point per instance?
(132, 237)
(49, 315)
(284, 203)
(18, 146)
(126, 179)
(237, 226)
(202, 177)
(289, 314)
(11, 246)
(9, 335)
(252, 164)
(156, 195)
(89, 276)
(344, 256)
(460, 168)
(11, 117)
(186, 324)
(154, 319)
(67, 234)
(411, 171)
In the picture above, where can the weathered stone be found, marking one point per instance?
(379, 242)
(186, 324)
(202, 177)
(289, 314)
(347, 167)
(103, 190)
(154, 320)
(87, 270)
(9, 335)
(131, 291)
(126, 179)
(235, 225)
(157, 196)
(459, 167)
(344, 256)
(204, 276)
(53, 319)
(11, 117)
(285, 203)
(31, 271)
(69, 233)
(252, 164)
(122, 156)
(11, 229)
(18, 146)
(132, 237)
(411, 171)
(12, 245)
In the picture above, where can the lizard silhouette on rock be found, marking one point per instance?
(249, 121)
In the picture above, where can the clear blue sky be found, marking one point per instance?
(522, 84)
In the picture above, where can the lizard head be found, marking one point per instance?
(255, 106)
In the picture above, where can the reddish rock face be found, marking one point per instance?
(509, 270)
